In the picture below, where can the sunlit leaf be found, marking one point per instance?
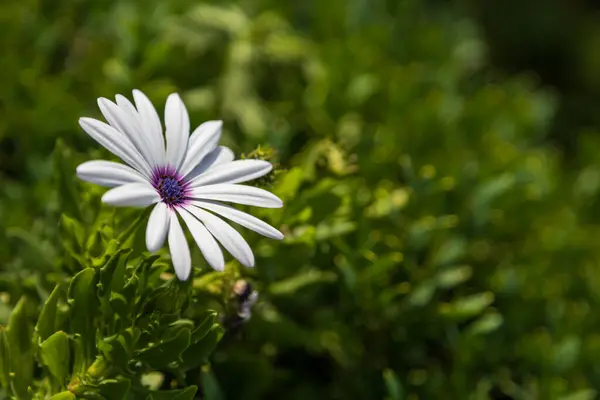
(54, 353)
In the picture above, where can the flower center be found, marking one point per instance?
(171, 188)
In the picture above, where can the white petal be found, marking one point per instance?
(203, 140)
(131, 194)
(180, 252)
(240, 194)
(158, 225)
(121, 119)
(115, 142)
(153, 156)
(206, 242)
(219, 156)
(177, 122)
(116, 117)
(226, 235)
(126, 105)
(108, 173)
(225, 155)
(241, 218)
(233, 172)
(150, 122)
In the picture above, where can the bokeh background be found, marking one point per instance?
(442, 174)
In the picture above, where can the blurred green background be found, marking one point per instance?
(443, 169)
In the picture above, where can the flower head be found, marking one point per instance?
(189, 177)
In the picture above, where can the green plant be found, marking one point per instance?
(437, 246)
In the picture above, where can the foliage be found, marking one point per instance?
(121, 327)
(436, 245)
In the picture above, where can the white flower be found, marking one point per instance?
(190, 177)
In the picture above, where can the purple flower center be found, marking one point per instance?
(172, 189)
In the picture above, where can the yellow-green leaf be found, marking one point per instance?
(54, 353)
(46, 324)
(66, 395)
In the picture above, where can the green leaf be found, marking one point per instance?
(180, 324)
(467, 307)
(450, 251)
(64, 177)
(108, 272)
(485, 324)
(293, 284)
(198, 353)
(393, 385)
(208, 279)
(93, 244)
(455, 276)
(168, 297)
(81, 297)
(127, 234)
(169, 319)
(484, 194)
(422, 294)
(135, 285)
(54, 353)
(166, 352)
(487, 192)
(287, 187)
(79, 356)
(112, 246)
(566, 353)
(210, 386)
(116, 350)
(129, 338)
(119, 304)
(205, 326)
(74, 230)
(333, 229)
(84, 305)
(4, 359)
(130, 289)
(47, 321)
(362, 87)
(115, 389)
(66, 395)
(184, 394)
(19, 333)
